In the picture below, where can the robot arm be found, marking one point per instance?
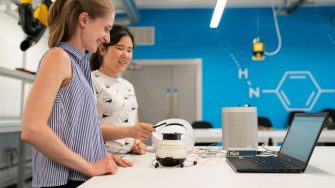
(33, 22)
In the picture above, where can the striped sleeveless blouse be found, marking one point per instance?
(74, 119)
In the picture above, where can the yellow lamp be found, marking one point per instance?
(258, 50)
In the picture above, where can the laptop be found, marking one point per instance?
(295, 152)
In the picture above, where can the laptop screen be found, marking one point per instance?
(301, 137)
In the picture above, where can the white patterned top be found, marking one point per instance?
(116, 105)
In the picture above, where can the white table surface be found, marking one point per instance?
(277, 135)
(217, 173)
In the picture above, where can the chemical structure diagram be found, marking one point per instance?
(300, 85)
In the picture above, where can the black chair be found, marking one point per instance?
(203, 125)
(290, 117)
(264, 123)
(330, 122)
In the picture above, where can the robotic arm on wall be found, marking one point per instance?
(33, 22)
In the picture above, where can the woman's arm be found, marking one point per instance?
(140, 131)
(54, 73)
(138, 146)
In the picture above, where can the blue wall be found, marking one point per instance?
(308, 38)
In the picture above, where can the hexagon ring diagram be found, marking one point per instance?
(300, 86)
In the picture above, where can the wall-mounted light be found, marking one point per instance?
(258, 49)
(258, 46)
(218, 10)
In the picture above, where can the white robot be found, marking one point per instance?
(172, 141)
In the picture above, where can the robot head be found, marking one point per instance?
(174, 126)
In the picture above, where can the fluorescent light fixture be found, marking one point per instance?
(220, 4)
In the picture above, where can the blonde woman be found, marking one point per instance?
(60, 119)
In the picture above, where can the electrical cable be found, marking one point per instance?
(277, 31)
(267, 152)
(204, 155)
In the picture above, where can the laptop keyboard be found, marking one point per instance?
(270, 162)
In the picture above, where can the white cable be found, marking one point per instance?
(277, 31)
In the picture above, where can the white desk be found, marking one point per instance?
(217, 173)
(215, 135)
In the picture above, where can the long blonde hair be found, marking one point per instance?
(63, 17)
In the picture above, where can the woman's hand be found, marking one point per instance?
(105, 165)
(142, 131)
(138, 147)
(122, 162)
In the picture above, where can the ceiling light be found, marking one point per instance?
(220, 4)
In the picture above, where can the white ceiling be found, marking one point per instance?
(205, 3)
(143, 4)
(163, 4)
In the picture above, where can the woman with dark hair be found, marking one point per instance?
(116, 99)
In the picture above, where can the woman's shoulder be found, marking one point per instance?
(57, 55)
(125, 82)
(57, 60)
(96, 76)
(95, 73)
(98, 80)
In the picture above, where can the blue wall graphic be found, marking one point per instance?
(300, 76)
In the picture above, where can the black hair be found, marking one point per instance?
(116, 33)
